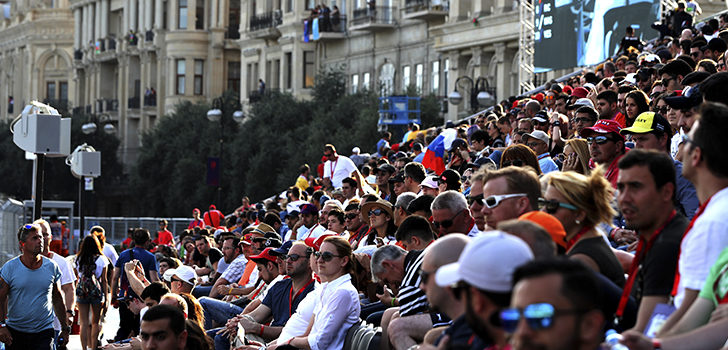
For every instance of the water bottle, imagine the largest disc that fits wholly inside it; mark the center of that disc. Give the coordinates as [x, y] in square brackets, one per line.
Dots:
[612, 339]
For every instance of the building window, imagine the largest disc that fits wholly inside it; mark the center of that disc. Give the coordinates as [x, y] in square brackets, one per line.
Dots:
[435, 77]
[200, 15]
[63, 90]
[182, 14]
[234, 76]
[199, 72]
[365, 81]
[354, 83]
[405, 77]
[51, 90]
[308, 69]
[180, 81]
[289, 70]
[419, 73]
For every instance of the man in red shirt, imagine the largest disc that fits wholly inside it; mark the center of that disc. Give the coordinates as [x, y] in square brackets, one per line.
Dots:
[213, 217]
[164, 236]
[606, 146]
[196, 220]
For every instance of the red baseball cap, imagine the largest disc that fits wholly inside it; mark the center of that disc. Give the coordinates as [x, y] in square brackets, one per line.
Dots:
[603, 126]
[580, 92]
[316, 242]
[538, 97]
[264, 255]
[567, 90]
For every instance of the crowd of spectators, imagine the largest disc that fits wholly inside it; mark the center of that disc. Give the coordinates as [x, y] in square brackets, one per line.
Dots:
[595, 206]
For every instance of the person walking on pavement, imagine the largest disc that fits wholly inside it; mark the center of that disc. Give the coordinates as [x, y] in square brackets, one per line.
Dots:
[30, 287]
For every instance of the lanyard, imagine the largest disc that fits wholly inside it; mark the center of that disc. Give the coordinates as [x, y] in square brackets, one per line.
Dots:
[612, 168]
[642, 249]
[292, 297]
[333, 167]
[570, 243]
[687, 230]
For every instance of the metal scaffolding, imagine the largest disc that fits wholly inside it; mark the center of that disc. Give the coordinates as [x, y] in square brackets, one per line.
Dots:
[525, 46]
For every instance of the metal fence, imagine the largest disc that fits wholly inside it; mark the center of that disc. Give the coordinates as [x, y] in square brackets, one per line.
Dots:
[11, 217]
[117, 227]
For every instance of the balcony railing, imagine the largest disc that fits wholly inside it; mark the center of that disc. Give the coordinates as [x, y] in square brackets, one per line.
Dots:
[337, 24]
[107, 105]
[411, 6]
[133, 102]
[373, 15]
[149, 36]
[266, 20]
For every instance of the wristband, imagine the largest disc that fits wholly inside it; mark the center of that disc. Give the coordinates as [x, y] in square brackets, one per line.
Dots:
[262, 327]
[393, 300]
[656, 344]
[230, 292]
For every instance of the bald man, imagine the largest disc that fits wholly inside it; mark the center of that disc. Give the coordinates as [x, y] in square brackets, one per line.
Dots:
[441, 252]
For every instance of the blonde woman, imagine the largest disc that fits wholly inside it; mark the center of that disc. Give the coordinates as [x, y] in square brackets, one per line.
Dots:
[575, 156]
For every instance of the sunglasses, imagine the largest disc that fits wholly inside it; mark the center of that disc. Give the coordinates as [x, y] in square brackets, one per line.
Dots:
[327, 256]
[351, 216]
[294, 257]
[584, 120]
[376, 212]
[494, 201]
[515, 162]
[552, 205]
[538, 123]
[538, 316]
[446, 223]
[600, 140]
[695, 54]
[475, 199]
[662, 110]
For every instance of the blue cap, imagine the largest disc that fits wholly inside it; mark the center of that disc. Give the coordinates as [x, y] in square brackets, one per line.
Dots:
[283, 250]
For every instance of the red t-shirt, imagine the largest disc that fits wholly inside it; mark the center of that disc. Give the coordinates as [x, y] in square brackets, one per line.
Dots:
[164, 237]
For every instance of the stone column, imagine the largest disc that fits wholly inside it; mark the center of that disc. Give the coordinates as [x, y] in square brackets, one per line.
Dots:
[214, 21]
[84, 27]
[224, 10]
[172, 12]
[133, 15]
[125, 20]
[104, 18]
[158, 14]
[453, 73]
[97, 20]
[148, 15]
[501, 78]
[77, 25]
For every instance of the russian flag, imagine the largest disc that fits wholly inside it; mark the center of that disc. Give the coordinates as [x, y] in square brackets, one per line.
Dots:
[434, 156]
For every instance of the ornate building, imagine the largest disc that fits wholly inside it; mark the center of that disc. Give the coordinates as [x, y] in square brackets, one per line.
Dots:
[36, 56]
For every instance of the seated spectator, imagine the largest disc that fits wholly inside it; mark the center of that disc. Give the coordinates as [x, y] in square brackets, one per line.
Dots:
[450, 214]
[508, 193]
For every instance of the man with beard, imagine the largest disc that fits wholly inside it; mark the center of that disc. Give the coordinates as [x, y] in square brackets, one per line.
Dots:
[555, 306]
[646, 188]
[482, 277]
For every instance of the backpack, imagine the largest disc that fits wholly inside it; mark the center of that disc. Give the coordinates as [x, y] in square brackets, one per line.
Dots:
[88, 287]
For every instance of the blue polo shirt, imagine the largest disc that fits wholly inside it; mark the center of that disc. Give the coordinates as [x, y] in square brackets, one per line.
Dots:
[279, 300]
[148, 260]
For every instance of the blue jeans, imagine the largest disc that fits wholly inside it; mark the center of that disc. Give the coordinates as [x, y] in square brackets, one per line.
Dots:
[221, 341]
[218, 311]
[42, 340]
[201, 291]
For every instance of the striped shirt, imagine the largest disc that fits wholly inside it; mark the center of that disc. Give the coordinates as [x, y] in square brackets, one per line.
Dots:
[412, 300]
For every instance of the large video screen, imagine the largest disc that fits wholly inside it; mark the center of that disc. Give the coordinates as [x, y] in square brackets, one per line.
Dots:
[571, 33]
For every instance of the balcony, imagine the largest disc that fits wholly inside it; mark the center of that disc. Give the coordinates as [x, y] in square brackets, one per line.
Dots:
[263, 26]
[333, 28]
[233, 32]
[373, 18]
[425, 9]
[107, 105]
[133, 102]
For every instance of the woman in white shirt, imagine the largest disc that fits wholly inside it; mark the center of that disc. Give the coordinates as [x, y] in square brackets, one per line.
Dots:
[337, 306]
[92, 291]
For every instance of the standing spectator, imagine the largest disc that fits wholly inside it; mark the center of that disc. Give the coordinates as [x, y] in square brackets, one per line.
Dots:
[336, 168]
[164, 236]
[57, 232]
[383, 144]
[261, 86]
[92, 290]
[196, 220]
[120, 287]
[302, 180]
[27, 284]
[213, 217]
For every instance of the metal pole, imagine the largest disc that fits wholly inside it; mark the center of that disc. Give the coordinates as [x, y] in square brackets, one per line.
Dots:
[38, 192]
[80, 208]
[219, 184]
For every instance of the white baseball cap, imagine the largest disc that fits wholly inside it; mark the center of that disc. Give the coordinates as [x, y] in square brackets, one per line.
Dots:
[184, 273]
[487, 262]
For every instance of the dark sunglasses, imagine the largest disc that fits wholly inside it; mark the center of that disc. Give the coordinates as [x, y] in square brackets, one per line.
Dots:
[293, 257]
[376, 212]
[551, 205]
[695, 54]
[327, 256]
[600, 140]
[538, 123]
[538, 316]
[475, 199]
[446, 223]
[350, 216]
[515, 162]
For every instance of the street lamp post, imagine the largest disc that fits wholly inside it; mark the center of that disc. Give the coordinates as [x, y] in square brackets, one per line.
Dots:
[88, 129]
[215, 115]
[479, 92]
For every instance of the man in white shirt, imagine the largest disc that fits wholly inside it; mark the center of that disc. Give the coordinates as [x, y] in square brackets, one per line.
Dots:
[336, 168]
[705, 165]
[310, 226]
[67, 275]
